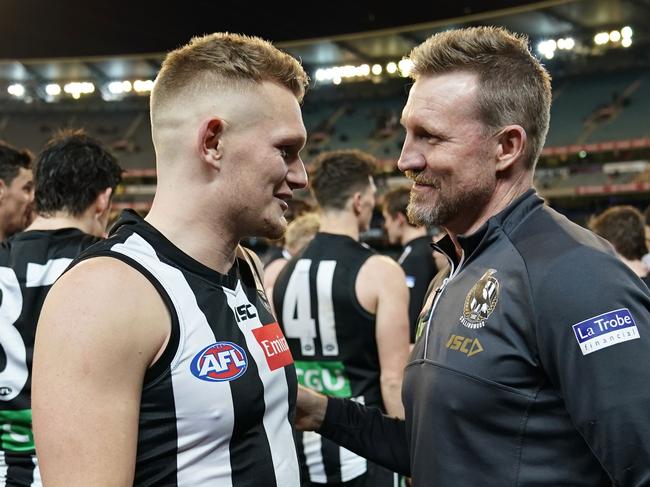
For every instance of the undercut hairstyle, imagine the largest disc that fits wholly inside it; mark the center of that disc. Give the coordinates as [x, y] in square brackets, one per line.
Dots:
[336, 175]
[223, 57]
[12, 160]
[71, 171]
[396, 200]
[623, 227]
[514, 87]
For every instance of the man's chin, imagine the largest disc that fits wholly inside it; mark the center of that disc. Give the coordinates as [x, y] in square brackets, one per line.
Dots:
[275, 230]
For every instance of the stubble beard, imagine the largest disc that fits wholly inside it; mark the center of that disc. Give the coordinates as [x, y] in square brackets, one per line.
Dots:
[449, 207]
[274, 230]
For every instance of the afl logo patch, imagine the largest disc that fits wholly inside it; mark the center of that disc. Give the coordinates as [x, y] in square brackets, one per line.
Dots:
[219, 362]
[481, 301]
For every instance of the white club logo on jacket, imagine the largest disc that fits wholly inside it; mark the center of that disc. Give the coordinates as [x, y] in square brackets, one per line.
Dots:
[481, 301]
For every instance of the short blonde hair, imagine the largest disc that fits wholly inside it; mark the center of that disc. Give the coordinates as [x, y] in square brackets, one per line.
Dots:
[226, 57]
[514, 88]
[300, 231]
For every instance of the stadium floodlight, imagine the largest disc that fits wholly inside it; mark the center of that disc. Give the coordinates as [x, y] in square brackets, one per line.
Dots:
[53, 89]
[115, 87]
[391, 67]
[566, 44]
[16, 90]
[614, 36]
[76, 88]
[119, 87]
[405, 65]
[342, 72]
[601, 38]
[377, 69]
[626, 32]
[626, 42]
[143, 86]
[547, 48]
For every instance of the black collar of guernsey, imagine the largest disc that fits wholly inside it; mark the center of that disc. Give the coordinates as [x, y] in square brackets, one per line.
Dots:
[167, 251]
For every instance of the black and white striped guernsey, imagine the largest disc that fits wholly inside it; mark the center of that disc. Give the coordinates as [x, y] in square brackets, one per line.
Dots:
[30, 262]
[217, 407]
[332, 338]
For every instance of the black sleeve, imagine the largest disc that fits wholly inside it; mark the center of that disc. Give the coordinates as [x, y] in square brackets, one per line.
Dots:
[367, 432]
[593, 334]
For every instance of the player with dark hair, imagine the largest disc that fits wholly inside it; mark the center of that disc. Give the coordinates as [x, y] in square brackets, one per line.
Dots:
[75, 178]
[16, 190]
[624, 227]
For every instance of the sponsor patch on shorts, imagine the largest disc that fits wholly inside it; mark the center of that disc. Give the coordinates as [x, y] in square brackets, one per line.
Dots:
[605, 330]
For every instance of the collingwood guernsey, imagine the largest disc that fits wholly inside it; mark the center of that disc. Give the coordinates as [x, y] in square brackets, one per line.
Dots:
[30, 262]
[332, 338]
[217, 407]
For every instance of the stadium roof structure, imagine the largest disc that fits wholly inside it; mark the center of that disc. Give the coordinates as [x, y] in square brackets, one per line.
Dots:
[59, 43]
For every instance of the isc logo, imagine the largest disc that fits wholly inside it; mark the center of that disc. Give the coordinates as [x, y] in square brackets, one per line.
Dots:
[221, 361]
[468, 346]
[245, 312]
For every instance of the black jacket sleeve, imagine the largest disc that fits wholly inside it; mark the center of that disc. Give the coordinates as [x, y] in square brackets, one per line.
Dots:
[585, 304]
[367, 432]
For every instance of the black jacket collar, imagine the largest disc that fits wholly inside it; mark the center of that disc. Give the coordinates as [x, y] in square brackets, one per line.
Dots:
[505, 221]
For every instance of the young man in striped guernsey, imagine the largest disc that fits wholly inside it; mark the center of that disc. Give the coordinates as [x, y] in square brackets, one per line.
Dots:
[75, 178]
[344, 311]
[158, 361]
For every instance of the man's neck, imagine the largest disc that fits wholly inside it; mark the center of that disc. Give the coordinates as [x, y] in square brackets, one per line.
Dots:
[502, 197]
[637, 266]
[410, 233]
[212, 245]
[339, 223]
[61, 220]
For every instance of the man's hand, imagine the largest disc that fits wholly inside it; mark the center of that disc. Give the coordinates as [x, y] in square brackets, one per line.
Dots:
[310, 409]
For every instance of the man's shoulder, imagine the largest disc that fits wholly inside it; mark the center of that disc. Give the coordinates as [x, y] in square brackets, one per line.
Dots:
[572, 273]
[43, 245]
[548, 241]
[339, 247]
[382, 269]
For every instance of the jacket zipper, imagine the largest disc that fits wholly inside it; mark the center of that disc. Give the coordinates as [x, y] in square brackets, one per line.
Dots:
[438, 294]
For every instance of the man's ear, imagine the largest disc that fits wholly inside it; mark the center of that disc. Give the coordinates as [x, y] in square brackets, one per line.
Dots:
[103, 202]
[356, 203]
[401, 218]
[3, 189]
[511, 147]
[210, 143]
